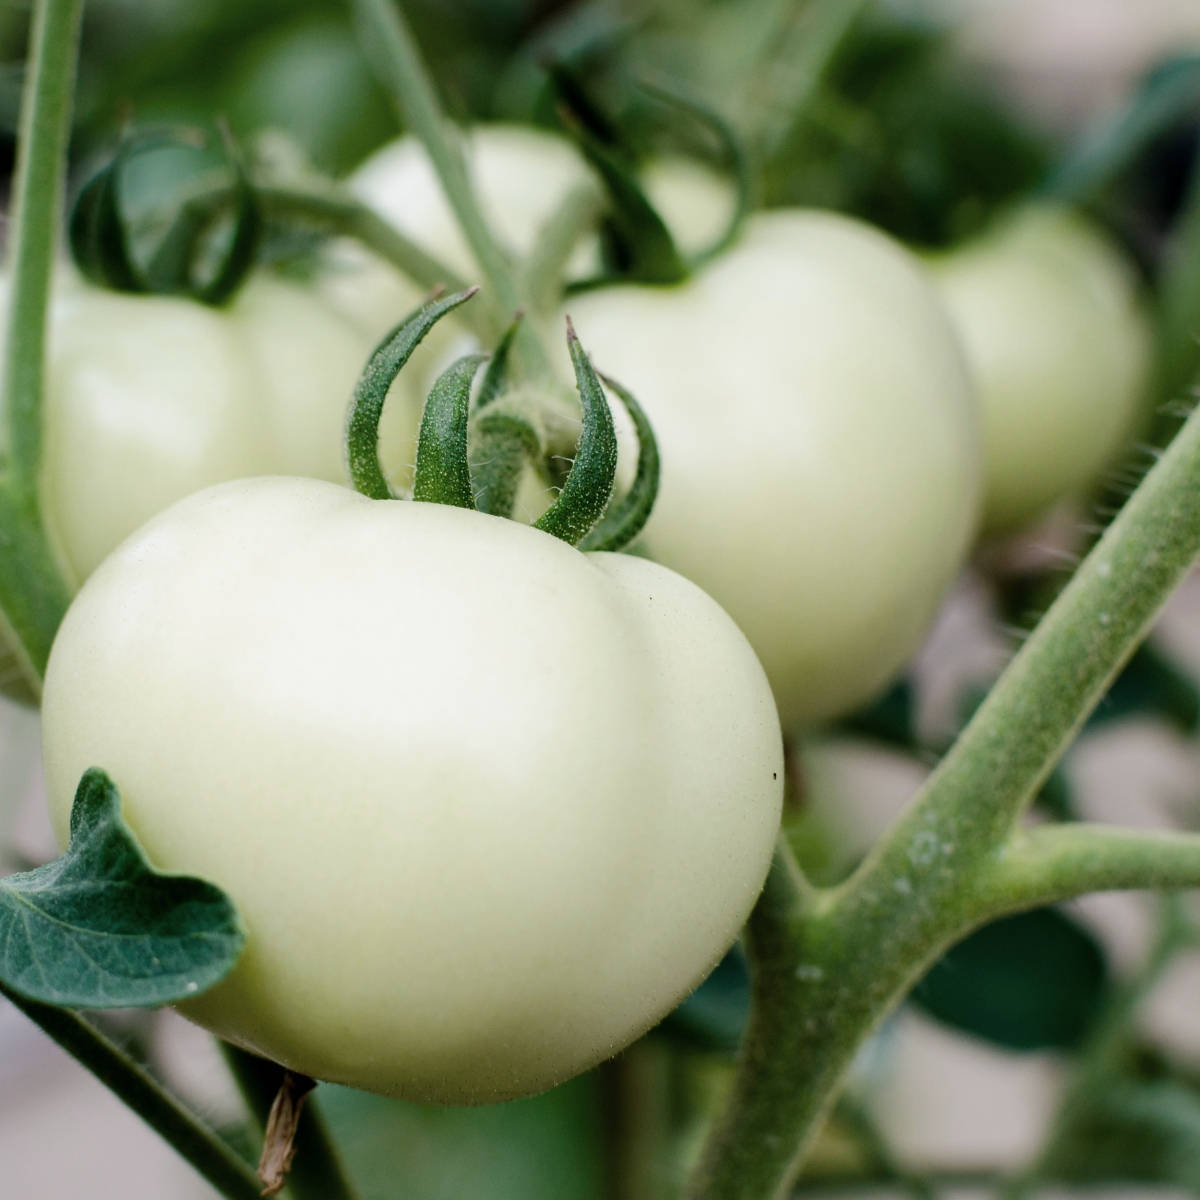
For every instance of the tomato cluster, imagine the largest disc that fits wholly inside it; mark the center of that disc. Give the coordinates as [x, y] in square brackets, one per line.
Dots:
[490, 806]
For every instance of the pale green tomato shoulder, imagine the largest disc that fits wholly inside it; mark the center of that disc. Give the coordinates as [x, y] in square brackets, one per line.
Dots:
[1048, 310]
[820, 445]
[150, 398]
[489, 807]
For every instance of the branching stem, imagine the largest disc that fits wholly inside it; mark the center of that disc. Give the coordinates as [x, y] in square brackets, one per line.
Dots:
[828, 966]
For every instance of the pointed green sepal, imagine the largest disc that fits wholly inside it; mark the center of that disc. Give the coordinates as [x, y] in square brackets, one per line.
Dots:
[103, 247]
[495, 378]
[99, 927]
[443, 473]
[502, 445]
[639, 243]
[737, 160]
[589, 485]
[96, 234]
[625, 518]
[366, 405]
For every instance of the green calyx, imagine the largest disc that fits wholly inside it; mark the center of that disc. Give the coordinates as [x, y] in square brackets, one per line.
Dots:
[473, 455]
[207, 247]
[638, 245]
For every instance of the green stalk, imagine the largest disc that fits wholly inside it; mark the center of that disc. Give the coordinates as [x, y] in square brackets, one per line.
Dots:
[317, 1172]
[390, 41]
[828, 966]
[347, 217]
[542, 277]
[33, 593]
[37, 208]
[203, 1149]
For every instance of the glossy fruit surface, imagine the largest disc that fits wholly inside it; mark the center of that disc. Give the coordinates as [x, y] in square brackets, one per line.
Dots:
[819, 440]
[488, 806]
[1047, 307]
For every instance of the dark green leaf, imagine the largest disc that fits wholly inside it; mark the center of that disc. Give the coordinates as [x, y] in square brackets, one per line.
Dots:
[1133, 1132]
[1028, 982]
[100, 928]
[714, 1016]
[890, 719]
[1151, 684]
[1169, 95]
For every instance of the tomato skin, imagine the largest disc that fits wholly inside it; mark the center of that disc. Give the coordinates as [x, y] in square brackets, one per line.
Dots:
[150, 398]
[489, 807]
[820, 446]
[1048, 310]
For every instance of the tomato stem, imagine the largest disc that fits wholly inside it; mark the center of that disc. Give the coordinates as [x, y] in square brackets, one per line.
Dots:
[33, 592]
[328, 212]
[211, 1157]
[829, 965]
[317, 1172]
[390, 43]
[34, 220]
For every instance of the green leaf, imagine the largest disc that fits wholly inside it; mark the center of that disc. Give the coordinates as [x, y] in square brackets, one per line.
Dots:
[1169, 96]
[1133, 1132]
[99, 927]
[890, 719]
[1033, 981]
[1151, 684]
[714, 1016]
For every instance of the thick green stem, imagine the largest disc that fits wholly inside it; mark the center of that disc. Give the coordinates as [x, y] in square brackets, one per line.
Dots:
[202, 1148]
[1057, 862]
[316, 1172]
[37, 207]
[389, 39]
[828, 967]
[348, 217]
[545, 269]
[33, 593]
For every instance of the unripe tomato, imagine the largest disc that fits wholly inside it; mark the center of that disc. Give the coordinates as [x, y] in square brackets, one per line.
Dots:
[1047, 309]
[150, 398]
[489, 807]
[819, 440]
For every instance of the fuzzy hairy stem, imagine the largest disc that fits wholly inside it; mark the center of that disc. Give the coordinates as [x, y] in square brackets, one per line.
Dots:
[828, 966]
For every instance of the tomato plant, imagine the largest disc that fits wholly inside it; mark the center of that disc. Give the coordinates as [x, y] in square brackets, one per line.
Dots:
[475, 805]
[1049, 314]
